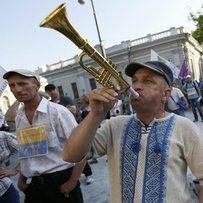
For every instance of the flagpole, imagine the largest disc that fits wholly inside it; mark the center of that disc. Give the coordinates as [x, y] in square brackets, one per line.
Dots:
[185, 50]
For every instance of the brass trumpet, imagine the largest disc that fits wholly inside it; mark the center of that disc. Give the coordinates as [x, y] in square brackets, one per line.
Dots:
[58, 20]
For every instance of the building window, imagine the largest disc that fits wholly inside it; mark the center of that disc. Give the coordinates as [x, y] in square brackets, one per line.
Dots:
[75, 90]
[92, 83]
[60, 89]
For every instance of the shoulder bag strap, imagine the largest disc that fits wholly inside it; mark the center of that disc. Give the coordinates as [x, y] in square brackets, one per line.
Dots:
[173, 99]
[194, 83]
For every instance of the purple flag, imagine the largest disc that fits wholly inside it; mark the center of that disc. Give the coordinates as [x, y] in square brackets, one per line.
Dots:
[183, 71]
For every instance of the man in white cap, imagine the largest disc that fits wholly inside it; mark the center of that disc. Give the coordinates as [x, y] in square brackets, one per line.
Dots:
[191, 89]
[148, 153]
[42, 129]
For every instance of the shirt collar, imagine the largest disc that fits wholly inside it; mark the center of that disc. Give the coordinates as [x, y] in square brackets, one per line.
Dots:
[42, 107]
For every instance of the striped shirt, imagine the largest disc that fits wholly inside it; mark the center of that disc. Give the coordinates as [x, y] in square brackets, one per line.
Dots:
[8, 146]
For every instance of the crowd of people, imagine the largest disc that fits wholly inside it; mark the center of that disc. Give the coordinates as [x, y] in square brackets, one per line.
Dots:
[148, 141]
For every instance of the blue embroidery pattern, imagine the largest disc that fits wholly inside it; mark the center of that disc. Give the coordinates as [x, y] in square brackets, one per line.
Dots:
[155, 166]
[129, 161]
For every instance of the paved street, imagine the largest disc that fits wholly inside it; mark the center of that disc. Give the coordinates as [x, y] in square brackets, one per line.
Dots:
[98, 192]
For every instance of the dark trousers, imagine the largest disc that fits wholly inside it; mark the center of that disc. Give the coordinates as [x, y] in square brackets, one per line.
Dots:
[196, 105]
[45, 189]
[87, 169]
[10, 196]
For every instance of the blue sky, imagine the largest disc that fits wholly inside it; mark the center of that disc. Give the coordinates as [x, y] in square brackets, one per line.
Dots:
[25, 45]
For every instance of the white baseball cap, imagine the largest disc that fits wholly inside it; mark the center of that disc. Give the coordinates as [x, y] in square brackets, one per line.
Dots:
[24, 72]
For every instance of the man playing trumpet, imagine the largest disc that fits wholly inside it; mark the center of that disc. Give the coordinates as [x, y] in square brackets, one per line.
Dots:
[148, 152]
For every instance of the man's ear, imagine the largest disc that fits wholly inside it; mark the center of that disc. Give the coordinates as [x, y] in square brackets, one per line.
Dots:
[38, 84]
[166, 94]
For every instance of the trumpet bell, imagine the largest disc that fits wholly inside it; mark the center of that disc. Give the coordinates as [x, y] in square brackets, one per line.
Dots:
[58, 20]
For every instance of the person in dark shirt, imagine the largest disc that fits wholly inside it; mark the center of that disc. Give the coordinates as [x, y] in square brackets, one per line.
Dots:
[66, 101]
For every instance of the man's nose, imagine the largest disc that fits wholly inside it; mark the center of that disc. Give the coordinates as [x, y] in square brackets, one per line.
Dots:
[18, 88]
[138, 89]
[138, 86]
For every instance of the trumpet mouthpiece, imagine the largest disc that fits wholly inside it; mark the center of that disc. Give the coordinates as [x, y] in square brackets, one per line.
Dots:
[133, 92]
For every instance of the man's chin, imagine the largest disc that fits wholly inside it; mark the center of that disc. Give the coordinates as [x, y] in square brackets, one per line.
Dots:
[22, 99]
[138, 107]
[135, 102]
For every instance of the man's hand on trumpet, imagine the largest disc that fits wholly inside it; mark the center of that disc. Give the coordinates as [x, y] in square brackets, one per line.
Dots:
[102, 100]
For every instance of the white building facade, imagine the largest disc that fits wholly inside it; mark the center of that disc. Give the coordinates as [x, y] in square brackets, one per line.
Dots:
[175, 45]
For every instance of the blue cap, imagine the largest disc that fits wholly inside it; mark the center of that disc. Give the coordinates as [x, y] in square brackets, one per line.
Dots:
[156, 66]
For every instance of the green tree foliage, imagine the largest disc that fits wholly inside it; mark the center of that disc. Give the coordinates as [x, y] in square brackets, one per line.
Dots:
[198, 20]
